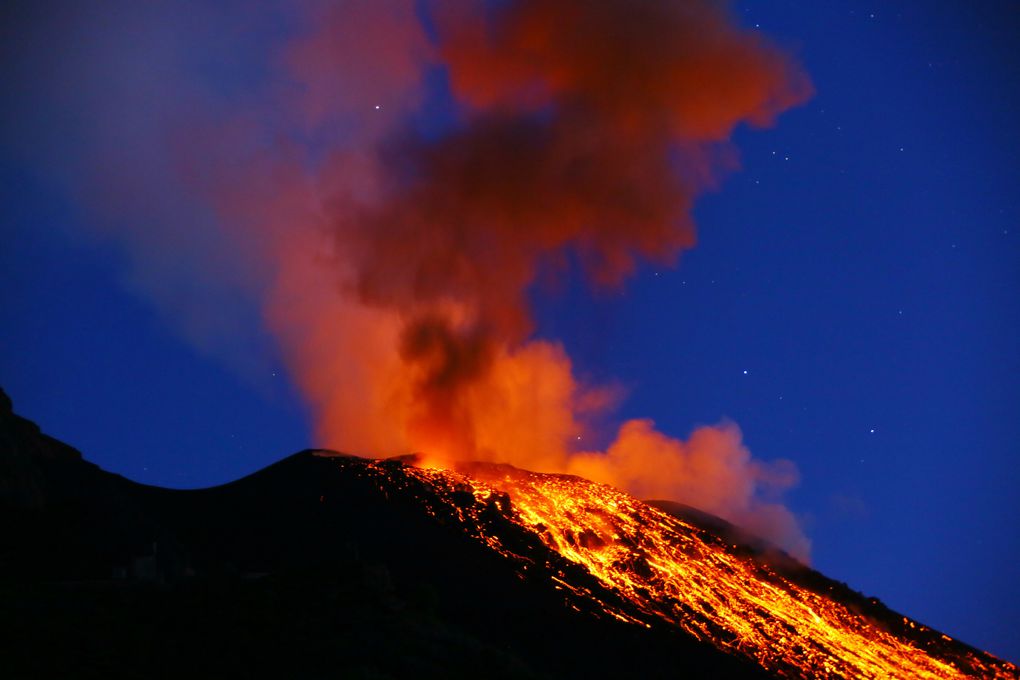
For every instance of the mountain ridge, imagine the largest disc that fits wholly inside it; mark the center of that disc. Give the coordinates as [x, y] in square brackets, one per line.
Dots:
[438, 567]
[124, 575]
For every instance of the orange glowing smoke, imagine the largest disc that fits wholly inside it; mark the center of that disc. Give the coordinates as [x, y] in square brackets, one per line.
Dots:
[392, 260]
[586, 129]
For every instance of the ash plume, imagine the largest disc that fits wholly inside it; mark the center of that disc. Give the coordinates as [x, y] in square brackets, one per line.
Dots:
[391, 253]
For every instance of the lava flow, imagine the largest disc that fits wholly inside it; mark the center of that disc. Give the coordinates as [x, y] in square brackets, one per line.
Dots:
[654, 568]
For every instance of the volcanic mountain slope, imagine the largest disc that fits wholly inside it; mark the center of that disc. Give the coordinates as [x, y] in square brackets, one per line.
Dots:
[333, 566]
[304, 569]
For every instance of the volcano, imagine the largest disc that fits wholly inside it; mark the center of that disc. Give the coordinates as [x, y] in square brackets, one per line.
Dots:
[326, 565]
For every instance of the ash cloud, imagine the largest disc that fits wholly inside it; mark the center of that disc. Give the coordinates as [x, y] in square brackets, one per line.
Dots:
[280, 159]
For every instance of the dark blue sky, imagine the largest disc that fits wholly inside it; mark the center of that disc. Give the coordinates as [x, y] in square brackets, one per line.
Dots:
[852, 304]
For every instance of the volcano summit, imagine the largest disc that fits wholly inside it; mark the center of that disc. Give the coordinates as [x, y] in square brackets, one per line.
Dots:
[337, 566]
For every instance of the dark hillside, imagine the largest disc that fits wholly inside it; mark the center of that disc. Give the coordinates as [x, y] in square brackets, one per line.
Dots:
[303, 569]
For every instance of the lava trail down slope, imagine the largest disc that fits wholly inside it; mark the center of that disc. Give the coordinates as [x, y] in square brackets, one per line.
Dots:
[661, 568]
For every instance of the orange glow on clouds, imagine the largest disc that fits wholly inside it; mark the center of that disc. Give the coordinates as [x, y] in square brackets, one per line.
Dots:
[393, 267]
[401, 265]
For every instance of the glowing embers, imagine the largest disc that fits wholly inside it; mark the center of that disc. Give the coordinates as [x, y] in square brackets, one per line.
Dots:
[663, 568]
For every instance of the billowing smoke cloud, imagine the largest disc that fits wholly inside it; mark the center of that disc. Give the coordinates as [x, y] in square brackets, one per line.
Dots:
[712, 471]
[392, 251]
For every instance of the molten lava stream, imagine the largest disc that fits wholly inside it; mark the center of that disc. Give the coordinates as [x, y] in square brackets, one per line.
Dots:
[670, 570]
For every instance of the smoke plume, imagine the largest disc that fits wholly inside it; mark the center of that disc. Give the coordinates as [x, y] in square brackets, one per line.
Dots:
[387, 181]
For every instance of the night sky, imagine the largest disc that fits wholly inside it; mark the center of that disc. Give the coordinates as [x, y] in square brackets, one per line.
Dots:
[851, 303]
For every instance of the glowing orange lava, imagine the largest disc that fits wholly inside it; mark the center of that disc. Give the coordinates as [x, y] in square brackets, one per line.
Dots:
[669, 570]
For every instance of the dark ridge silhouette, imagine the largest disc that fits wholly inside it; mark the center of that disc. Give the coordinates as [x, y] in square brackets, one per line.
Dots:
[326, 565]
[303, 569]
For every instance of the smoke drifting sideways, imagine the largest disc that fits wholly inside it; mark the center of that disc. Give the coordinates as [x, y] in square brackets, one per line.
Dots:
[385, 182]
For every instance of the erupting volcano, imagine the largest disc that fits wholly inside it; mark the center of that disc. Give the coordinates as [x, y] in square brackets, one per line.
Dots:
[391, 196]
[544, 565]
